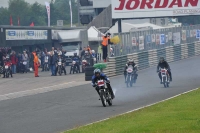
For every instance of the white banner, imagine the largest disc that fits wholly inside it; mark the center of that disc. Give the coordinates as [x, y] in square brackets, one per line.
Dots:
[141, 42]
[177, 38]
[134, 41]
[184, 35]
[153, 38]
[154, 8]
[157, 38]
[48, 12]
[26, 34]
[169, 36]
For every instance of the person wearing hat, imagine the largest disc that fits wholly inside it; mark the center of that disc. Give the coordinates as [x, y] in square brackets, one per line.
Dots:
[105, 42]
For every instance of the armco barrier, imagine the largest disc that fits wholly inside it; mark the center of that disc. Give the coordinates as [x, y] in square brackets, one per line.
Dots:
[150, 58]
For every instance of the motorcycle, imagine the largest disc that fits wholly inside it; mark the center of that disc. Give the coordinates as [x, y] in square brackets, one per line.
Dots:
[165, 77]
[105, 95]
[7, 70]
[74, 67]
[46, 64]
[131, 75]
[59, 68]
[84, 65]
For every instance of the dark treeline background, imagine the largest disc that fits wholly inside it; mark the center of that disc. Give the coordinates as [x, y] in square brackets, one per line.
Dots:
[37, 13]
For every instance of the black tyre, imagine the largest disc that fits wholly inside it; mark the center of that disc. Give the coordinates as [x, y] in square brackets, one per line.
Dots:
[89, 68]
[88, 78]
[103, 99]
[89, 73]
[167, 84]
[110, 100]
[59, 71]
[1, 70]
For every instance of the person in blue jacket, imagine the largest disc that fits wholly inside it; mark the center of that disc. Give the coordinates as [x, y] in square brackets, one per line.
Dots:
[100, 76]
[77, 59]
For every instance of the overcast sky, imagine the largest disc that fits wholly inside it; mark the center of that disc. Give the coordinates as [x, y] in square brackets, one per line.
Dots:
[4, 3]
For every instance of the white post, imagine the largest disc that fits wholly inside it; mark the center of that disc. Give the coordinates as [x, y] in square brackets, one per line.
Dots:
[70, 5]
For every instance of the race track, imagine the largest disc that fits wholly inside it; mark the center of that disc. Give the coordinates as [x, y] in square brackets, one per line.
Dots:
[60, 110]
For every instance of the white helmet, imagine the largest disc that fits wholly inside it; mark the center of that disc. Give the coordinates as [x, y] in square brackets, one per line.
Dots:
[93, 51]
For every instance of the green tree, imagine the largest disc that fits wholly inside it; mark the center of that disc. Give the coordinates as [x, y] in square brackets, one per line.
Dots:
[4, 16]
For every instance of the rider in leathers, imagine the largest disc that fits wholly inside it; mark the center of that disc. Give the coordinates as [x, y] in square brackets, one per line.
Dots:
[77, 59]
[97, 76]
[163, 64]
[130, 62]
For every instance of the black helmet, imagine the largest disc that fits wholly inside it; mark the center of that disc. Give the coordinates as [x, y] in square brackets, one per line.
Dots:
[162, 59]
[75, 54]
[130, 61]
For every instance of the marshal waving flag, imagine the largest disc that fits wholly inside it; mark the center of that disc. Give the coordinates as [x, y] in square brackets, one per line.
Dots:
[48, 12]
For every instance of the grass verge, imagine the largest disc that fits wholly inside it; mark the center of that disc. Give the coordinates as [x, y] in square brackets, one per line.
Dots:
[177, 115]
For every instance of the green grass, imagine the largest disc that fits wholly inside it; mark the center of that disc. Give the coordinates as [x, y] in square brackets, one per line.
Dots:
[178, 115]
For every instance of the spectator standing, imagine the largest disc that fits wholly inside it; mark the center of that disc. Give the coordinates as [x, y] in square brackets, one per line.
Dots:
[36, 64]
[25, 60]
[14, 62]
[52, 63]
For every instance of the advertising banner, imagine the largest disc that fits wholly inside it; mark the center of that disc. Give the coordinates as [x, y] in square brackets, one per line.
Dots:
[184, 35]
[148, 38]
[177, 38]
[26, 34]
[134, 41]
[157, 38]
[153, 38]
[141, 43]
[154, 8]
[162, 39]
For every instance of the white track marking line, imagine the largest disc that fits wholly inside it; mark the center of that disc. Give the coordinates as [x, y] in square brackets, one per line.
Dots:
[31, 92]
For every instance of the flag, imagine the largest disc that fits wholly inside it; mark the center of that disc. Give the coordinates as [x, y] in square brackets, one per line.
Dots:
[11, 22]
[48, 12]
[70, 5]
[18, 21]
[32, 24]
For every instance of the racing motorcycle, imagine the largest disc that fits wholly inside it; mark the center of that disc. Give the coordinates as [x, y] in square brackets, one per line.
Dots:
[84, 65]
[74, 67]
[46, 63]
[131, 75]
[165, 77]
[105, 95]
[59, 68]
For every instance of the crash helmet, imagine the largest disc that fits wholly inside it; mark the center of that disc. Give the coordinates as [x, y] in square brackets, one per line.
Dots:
[75, 54]
[97, 72]
[93, 51]
[130, 62]
[162, 59]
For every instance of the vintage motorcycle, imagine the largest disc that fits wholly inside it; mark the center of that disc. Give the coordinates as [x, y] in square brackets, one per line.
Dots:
[73, 67]
[165, 77]
[105, 95]
[131, 75]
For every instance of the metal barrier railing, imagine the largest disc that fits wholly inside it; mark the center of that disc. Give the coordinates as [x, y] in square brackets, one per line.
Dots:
[138, 41]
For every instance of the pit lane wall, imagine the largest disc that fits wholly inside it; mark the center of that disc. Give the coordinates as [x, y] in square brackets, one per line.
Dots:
[150, 58]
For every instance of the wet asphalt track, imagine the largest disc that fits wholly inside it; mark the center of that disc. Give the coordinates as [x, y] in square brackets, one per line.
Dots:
[64, 109]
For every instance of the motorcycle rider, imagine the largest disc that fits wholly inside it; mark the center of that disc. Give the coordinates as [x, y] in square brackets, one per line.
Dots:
[130, 62]
[77, 59]
[163, 64]
[97, 76]
[60, 59]
[8, 63]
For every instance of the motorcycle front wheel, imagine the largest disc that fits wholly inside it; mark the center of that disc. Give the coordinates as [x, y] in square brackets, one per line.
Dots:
[103, 99]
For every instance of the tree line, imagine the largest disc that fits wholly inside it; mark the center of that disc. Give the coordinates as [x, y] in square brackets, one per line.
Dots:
[28, 13]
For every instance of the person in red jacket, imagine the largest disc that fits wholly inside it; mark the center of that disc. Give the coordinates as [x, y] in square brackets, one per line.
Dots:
[7, 63]
[14, 61]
